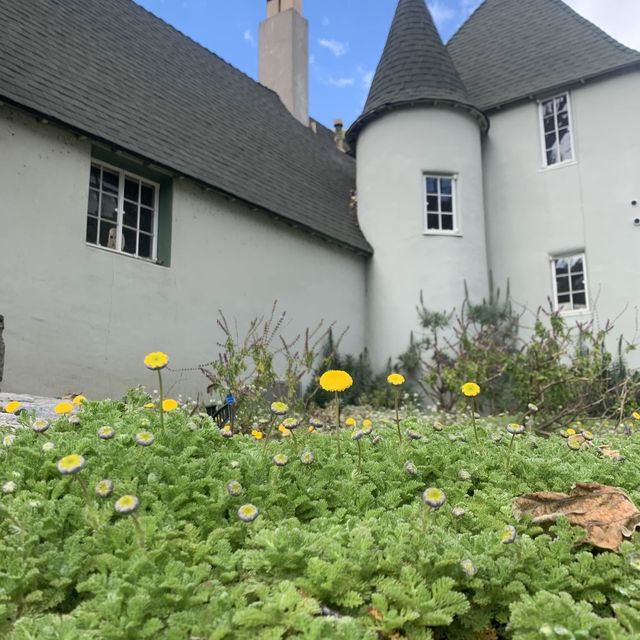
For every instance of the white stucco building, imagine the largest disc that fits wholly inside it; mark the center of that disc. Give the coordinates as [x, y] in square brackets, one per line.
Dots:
[145, 184]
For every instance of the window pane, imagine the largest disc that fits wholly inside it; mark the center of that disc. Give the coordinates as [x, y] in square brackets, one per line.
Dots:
[563, 119]
[108, 235]
[446, 204]
[565, 145]
[92, 230]
[146, 219]
[432, 185]
[561, 103]
[579, 300]
[129, 241]
[547, 108]
[562, 266]
[552, 156]
[144, 250]
[432, 203]
[433, 221]
[110, 181]
[131, 189]
[576, 265]
[550, 141]
[446, 186]
[549, 124]
[148, 196]
[109, 207]
[563, 285]
[94, 180]
[94, 197]
[564, 299]
[447, 223]
[577, 283]
[130, 218]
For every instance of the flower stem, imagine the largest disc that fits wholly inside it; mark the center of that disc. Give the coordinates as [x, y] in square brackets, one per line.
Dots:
[338, 424]
[473, 419]
[398, 414]
[161, 389]
[359, 455]
[513, 437]
[83, 486]
[136, 522]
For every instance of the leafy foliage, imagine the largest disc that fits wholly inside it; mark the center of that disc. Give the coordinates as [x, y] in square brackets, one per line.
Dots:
[335, 552]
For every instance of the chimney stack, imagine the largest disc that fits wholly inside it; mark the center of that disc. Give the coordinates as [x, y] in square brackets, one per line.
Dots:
[284, 55]
[339, 135]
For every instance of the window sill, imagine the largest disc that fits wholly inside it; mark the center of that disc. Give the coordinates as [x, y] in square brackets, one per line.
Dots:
[452, 234]
[570, 313]
[123, 254]
[558, 165]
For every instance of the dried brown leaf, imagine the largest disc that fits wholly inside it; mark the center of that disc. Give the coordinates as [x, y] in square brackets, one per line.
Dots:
[606, 513]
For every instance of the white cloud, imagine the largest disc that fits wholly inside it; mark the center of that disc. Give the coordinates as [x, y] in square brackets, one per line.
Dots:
[248, 37]
[366, 77]
[337, 48]
[440, 12]
[619, 18]
[340, 83]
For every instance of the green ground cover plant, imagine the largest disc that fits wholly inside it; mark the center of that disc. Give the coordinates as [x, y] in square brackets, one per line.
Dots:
[337, 550]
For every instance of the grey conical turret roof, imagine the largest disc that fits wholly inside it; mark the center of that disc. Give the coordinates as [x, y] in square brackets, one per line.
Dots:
[415, 67]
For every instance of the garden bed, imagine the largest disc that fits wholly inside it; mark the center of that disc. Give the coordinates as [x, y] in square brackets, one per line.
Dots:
[337, 551]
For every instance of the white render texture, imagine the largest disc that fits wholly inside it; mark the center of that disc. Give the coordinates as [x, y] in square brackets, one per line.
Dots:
[534, 213]
[80, 319]
[393, 154]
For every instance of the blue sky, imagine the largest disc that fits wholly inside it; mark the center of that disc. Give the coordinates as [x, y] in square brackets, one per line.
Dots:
[346, 38]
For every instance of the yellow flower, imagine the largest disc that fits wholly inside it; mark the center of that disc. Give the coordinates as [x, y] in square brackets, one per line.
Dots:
[335, 380]
[395, 379]
[71, 464]
[12, 407]
[156, 360]
[149, 405]
[470, 389]
[258, 435]
[279, 408]
[312, 429]
[570, 432]
[367, 423]
[169, 404]
[350, 422]
[636, 415]
[284, 431]
[78, 400]
[63, 407]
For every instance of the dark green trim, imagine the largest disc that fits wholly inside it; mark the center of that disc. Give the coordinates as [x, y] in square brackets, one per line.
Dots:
[165, 198]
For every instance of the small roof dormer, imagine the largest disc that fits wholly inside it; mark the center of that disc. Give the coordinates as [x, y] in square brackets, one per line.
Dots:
[415, 68]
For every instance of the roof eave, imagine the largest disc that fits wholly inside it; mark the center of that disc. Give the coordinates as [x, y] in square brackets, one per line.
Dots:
[373, 114]
[538, 93]
[364, 250]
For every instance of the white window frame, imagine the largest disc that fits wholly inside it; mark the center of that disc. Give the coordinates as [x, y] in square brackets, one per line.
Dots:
[563, 308]
[455, 212]
[122, 174]
[543, 145]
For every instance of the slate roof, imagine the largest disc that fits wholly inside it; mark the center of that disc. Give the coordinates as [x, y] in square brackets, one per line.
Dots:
[119, 74]
[415, 67]
[512, 49]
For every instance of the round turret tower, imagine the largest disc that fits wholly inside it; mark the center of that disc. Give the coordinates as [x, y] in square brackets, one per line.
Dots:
[419, 181]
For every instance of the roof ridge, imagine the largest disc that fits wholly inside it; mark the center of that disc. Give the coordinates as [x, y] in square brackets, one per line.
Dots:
[208, 51]
[466, 21]
[594, 27]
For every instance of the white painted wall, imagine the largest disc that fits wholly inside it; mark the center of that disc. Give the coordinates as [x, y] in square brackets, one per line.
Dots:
[80, 319]
[534, 213]
[393, 153]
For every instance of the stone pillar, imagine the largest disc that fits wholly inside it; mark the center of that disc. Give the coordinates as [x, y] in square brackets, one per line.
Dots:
[1, 349]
